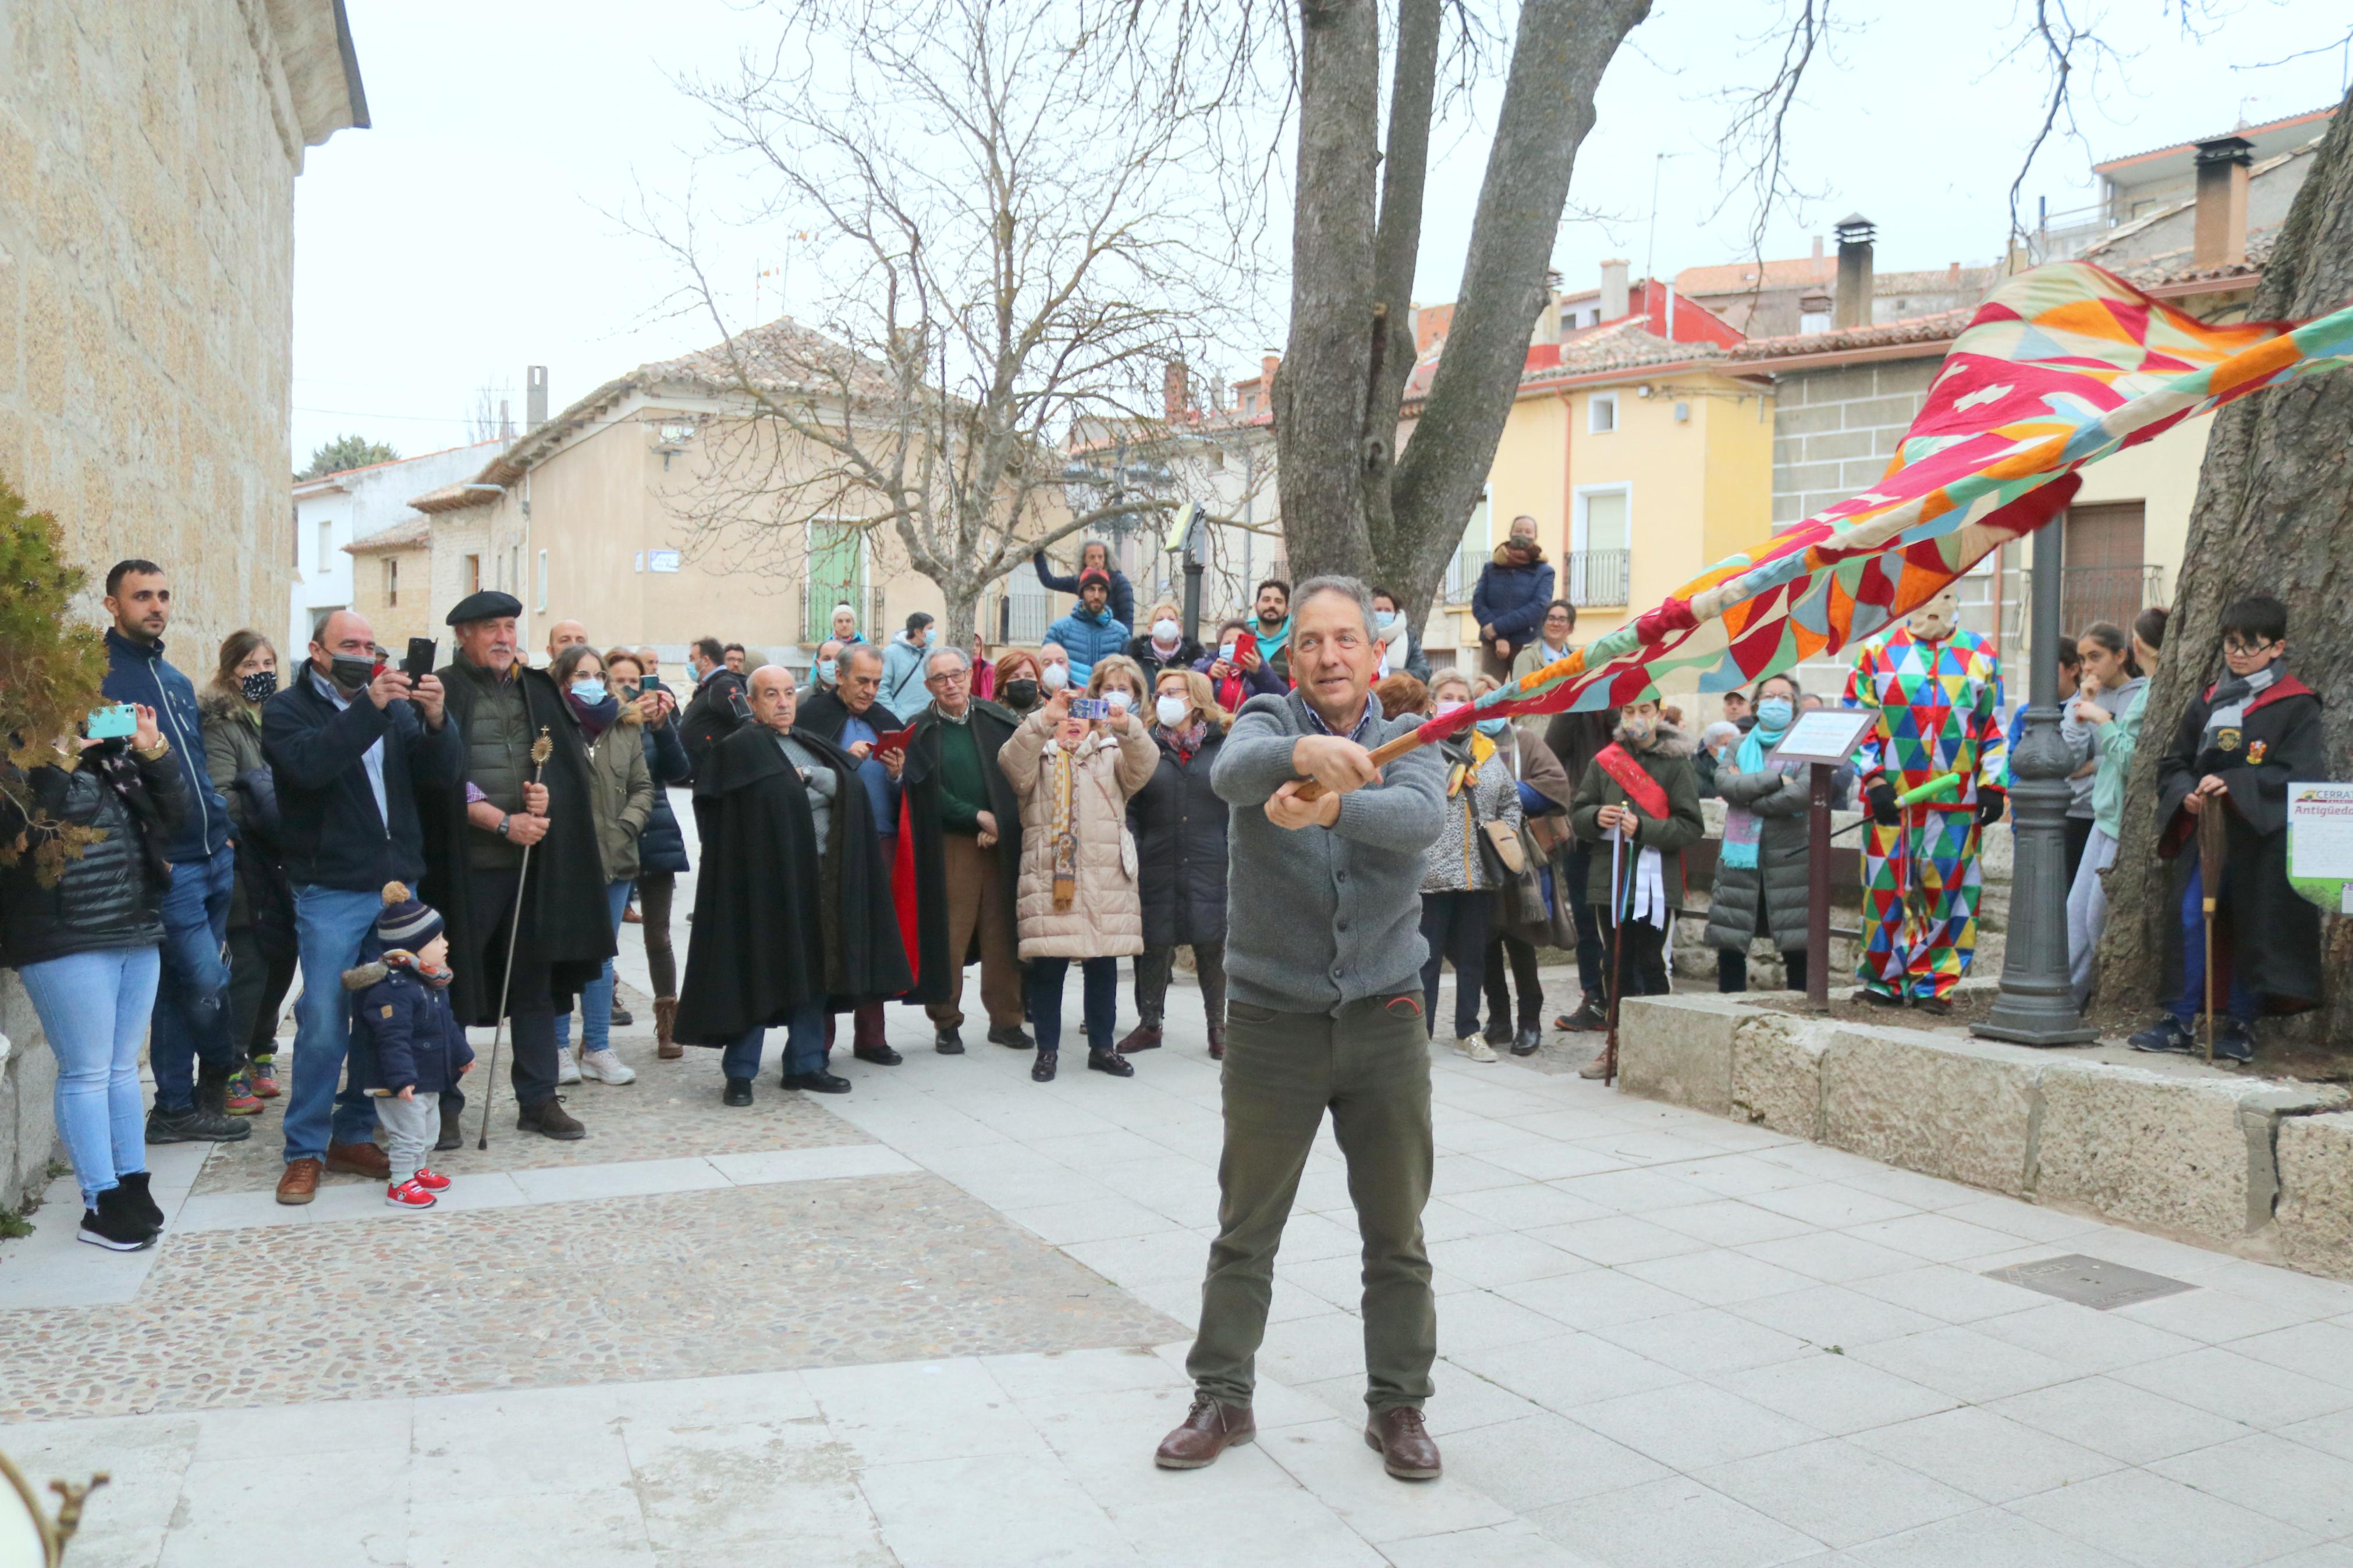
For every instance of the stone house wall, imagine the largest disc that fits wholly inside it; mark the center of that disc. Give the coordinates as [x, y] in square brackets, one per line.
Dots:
[1835, 430]
[147, 163]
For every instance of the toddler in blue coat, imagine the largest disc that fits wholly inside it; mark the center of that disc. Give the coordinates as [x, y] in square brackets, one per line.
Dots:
[408, 1047]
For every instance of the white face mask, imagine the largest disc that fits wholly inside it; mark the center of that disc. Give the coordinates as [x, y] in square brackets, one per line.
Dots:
[1172, 708]
[1119, 699]
[1163, 630]
[1443, 709]
[1055, 677]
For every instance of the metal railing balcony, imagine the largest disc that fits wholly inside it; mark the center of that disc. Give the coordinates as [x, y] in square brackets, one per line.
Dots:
[1597, 577]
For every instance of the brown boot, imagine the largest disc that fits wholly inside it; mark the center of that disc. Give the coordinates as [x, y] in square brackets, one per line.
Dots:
[1217, 1042]
[298, 1183]
[550, 1119]
[666, 1019]
[358, 1160]
[1408, 1451]
[1209, 1429]
[1143, 1038]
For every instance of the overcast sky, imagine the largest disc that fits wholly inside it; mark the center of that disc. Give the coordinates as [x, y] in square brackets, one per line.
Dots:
[476, 227]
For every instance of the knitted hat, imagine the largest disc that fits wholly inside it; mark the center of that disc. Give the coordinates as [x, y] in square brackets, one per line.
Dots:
[405, 923]
[1094, 575]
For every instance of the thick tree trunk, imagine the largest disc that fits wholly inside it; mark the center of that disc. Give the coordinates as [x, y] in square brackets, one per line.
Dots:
[2273, 515]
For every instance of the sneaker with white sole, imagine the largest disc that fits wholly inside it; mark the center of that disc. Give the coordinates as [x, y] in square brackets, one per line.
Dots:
[607, 1068]
[408, 1194]
[567, 1066]
[1475, 1048]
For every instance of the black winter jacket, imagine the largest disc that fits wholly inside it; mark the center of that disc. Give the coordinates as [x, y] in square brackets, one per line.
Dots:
[409, 1036]
[112, 895]
[332, 832]
[662, 846]
[1180, 848]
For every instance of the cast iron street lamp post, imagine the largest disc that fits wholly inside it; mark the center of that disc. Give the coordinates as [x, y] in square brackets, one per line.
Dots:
[2037, 1003]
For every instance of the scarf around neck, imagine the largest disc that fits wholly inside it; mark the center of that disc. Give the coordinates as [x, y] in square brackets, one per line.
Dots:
[1269, 642]
[1743, 828]
[1186, 739]
[2232, 699]
[594, 718]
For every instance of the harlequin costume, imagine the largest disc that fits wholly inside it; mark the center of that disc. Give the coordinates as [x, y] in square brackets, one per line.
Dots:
[1939, 705]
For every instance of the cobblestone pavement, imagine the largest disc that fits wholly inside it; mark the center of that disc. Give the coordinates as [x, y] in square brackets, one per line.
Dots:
[940, 1321]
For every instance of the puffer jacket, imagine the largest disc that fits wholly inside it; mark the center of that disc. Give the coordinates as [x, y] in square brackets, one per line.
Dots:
[261, 900]
[1668, 761]
[1180, 847]
[1779, 794]
[620, 790]
[1086, 638]
[403, 1033]
[662, 845]
[113, 896]
[1479, 788]
[1106, 915]
[1511, 597]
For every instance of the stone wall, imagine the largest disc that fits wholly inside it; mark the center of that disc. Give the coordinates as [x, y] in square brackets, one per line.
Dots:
[1835, 430]
[147, 163]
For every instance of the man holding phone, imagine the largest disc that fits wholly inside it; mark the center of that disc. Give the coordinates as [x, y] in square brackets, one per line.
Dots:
[190, 1049]
[352, 746]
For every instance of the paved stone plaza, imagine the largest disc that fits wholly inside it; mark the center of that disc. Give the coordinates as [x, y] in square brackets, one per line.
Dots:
[942, 1319]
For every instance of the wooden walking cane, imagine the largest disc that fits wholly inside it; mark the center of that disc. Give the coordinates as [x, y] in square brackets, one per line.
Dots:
[541, 749]
[2213, 844]
[1617, 961]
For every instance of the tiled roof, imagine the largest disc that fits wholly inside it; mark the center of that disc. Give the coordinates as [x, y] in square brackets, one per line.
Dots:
[1933, 328]
[401, 535]
[1623, 345]
[2171, 268]
[1740, 277]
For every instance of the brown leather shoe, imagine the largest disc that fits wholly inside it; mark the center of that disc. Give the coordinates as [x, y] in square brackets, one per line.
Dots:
[358, 1160]
[666, 1020]
[1217, 1044]
[298, 1183]
[1143, 1038]
[550, 1119]
[1408, 1451]
[1209, 1429]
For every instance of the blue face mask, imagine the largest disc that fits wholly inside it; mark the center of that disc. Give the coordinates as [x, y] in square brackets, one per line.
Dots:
[825, 668]
[587, 690]
[1774, 714]
[1493, 726]
[1388, 618]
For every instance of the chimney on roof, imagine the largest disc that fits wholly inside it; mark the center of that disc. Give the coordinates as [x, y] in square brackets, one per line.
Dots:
[1173, 396]
[1953, 275]
[2220, 236]
[1819, 267]
[1613, 290]
[535, 396]
[1850, 301]
[1547, 329]
[506, 425]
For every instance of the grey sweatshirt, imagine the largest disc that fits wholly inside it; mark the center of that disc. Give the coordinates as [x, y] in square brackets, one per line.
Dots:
[1324, 916]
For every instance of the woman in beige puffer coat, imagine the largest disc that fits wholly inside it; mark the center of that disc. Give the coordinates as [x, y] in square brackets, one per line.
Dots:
[1077, 896]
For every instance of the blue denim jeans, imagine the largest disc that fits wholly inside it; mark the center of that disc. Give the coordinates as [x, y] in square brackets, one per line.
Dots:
[1099, 987]
[597, 996]
[2241, 1003]
[334, 929]
[804, 1046]
[191, 1016]
[94, 1007]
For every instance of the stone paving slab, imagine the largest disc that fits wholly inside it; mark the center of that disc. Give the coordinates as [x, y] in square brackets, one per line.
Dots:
[674, 1285]
[673, 1109]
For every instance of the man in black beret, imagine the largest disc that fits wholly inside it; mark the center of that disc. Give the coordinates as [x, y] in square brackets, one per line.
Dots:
[476, 833]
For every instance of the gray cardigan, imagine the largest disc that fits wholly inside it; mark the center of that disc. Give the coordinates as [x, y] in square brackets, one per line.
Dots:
[1324, 916]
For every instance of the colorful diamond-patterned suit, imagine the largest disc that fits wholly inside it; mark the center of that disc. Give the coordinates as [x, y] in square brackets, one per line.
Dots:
[1940, 706]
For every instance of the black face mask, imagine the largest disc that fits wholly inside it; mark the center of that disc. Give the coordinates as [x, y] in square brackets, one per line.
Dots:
[1021, 693]
[259, 686]
[351, 672]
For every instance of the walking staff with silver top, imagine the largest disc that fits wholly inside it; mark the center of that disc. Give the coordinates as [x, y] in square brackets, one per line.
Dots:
[1324, 955]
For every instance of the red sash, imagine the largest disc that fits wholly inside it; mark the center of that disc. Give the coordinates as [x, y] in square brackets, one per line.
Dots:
[1640, 788]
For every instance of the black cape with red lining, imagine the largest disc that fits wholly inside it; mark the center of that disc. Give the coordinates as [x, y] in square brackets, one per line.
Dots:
[2265, 932]
[920, 884]
[776, 925]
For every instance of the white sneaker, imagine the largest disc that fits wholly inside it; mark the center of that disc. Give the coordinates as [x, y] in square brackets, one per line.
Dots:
[1599, 1068]
[567, 1066]
[1477, 1049]
[605, 1067]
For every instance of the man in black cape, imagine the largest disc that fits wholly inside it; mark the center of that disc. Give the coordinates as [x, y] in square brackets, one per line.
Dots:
[964, 849]
[849, 713]
[2236, 751]
[793, 905]
[475, 834]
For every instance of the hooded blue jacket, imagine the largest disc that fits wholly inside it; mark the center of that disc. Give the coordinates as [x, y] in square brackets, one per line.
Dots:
[135, 672]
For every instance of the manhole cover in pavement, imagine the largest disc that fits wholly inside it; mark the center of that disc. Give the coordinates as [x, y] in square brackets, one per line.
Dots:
[2091, 1281]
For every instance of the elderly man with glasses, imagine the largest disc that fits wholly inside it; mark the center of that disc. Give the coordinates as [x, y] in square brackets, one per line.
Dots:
[963, 842]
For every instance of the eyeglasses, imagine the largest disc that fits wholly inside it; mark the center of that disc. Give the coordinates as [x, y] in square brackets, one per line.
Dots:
[2240, 646]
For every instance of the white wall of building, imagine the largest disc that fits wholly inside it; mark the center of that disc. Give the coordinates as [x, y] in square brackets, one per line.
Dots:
[332, 511]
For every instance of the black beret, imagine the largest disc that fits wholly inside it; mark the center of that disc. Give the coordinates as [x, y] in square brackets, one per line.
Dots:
[490, 605]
